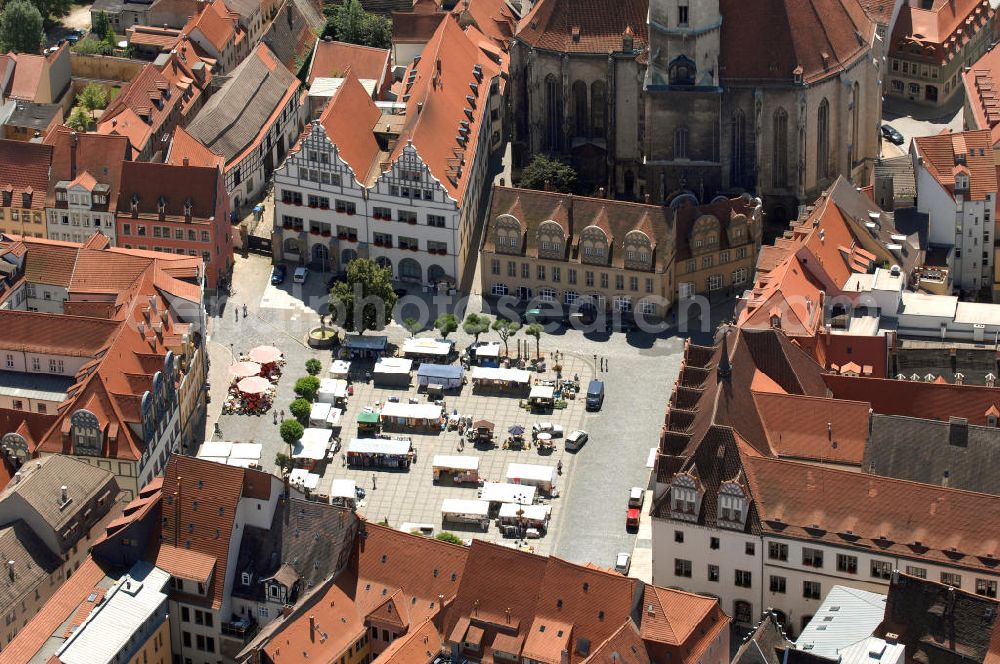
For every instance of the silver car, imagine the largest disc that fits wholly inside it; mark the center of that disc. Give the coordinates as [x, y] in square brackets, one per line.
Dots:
[623, 563]
[576, 439]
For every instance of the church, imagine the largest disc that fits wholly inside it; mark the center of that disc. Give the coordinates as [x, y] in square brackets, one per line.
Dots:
[689, 100]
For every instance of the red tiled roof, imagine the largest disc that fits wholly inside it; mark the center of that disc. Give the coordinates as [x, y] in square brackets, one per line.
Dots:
[28, 70]
[916, 398]
[58, 609]
[840, 349]
[897, 517]
[333, 624]
[421, 644]
[941, 153]
[32, 332]
[142, 107]
[813, 428]
[24, 170]
[820, 38]
[175, 183]
[186, 150]
[940, 31]
[583, 26]
[982, 92]
[219, 25]
[334, 59]
[184, 563]
[348, 120]
[879, 11]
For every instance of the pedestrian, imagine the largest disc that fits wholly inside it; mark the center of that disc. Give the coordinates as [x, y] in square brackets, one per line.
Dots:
[244, 310]
[282, 413]
[275, 413]
[373, 481]
[237, 313]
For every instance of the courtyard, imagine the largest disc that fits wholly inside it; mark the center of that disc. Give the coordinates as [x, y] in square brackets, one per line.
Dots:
[587, 521]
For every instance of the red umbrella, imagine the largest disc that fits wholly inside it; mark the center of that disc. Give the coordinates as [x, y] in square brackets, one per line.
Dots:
[265, 354]
[244, 369]
[253, 385]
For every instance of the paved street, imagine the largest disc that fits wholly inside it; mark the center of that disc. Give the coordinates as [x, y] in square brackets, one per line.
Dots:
[588, 518]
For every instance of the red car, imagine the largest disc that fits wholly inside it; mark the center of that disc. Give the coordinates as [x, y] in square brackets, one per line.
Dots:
[632, 518]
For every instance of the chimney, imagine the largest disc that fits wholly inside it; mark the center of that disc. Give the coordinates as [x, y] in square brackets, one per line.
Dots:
[312, 628]
[17, 477]
[507, 613]
[72, 155]
[187, 162]
[64, 494]
[10, 569]
[891, 638]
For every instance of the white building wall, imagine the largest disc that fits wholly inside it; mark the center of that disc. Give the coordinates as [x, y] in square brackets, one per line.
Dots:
[934, 201]
[78, 224]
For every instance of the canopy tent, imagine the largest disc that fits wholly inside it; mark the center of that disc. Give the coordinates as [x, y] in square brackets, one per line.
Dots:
[516, 430]
[246, 451]
[455, 462]
[214, 448]
[318, 413]
[392, 446]
[542, 392]
[449, 376]
[335, 418]
[392, 371]
[339, 369]
[265, 354]
[246, 455]
[368, 417]
[483, 424]
[501, 492]
[421, 415]
[244, 369]
[458, 509]
[432, 348]
[358, 345]
[485, 353]
[343, 491]
[301, 477]
[501, 377]
[543, 477]
[253, 385]
[313, 445]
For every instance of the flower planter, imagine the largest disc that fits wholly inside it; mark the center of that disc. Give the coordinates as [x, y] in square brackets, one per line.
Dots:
[313, 232]
[350, 213]
[352, 239]
[341, 236]
[378, 244]
[325, 234]
[287, 227]
[414, 249]
[412, 222]
[313, 205]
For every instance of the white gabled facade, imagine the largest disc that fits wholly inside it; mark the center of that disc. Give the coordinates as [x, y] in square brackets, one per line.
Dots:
[79, 213]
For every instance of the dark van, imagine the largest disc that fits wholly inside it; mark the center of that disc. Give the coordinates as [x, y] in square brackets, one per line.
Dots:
[595, 394]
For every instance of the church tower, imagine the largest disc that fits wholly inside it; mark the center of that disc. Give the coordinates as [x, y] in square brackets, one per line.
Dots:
[683, 100]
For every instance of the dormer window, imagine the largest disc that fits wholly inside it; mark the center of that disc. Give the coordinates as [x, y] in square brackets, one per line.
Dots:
[134, 203]
[161, 205]
[188, 207]
[685, 497]
[961, 182]
[733, 506]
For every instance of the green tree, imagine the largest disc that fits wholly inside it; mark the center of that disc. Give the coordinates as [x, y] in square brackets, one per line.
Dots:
[20, 27]
[283, 462]
[307, 387]
[559, 175]
[101, 24]
[291, 432]
[475, 324]
[413, 326]
[349, 22]
[52, 10]
[535, 330]
[92, 98]
[80, 120]
[365, 299]
[451, 538]
[301, 408]
[313, 366]
[505, 329]
[446, 324]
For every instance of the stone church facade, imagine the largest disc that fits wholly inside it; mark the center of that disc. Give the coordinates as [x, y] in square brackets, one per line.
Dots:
[772, 101]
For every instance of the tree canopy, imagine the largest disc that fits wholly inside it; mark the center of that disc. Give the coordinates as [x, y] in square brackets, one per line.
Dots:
[307, 387]
[535, 330]
[475, 324]
[349, 22]
[505, 329]
[446, 324]
[20, 27]
[364, 301]
[560, 175]
[291, 432]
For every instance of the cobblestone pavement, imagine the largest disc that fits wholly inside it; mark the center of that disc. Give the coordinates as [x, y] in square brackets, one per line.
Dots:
[588, 518]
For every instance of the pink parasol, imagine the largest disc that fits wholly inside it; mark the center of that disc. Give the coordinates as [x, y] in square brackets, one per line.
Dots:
[244, 369]
[253, 385]
[265, 354]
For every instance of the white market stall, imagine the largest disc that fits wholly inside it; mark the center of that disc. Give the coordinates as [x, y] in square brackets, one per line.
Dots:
[542, 477]
[312, 448]
[428, 350]
[339, 370]
[458, 510]
[497, 493]
[398, 415]
[380, 453]
[244, 455]
[343, 493]
[448, 376]
[392, 372]
[500, 378]
[542, 396]
[485, 353]
[457, 468]
[532, 516]
[318, 413]
[332, 390]
[303, 479]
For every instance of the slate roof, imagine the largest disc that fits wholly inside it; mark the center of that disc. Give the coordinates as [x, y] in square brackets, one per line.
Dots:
[290, 37]
[766, 644]
[33, 562]
[952, 454]
[236, 116]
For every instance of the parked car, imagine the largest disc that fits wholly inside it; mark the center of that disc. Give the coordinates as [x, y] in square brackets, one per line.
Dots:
[576, 439]
[595, 394]
[278, 274]
[892, 135]
[300, 275]
[636, 496]
[623, 563]
[547, 427]
[632, 518]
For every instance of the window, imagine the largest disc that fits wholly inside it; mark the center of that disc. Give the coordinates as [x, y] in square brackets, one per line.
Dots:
[633, 283]
[679, 536]
[495, 266]
[740, 276]
[556, 275]
[681, 143]
[812, 557]
[776, 551]
[950, 579]
[777, 584]
[750, 548]
[10, 361]
[588, 278]
[525, 271]
[407, 216]
[682, 16]
[185, 614]
[604, 280]
[682, 568]
[126, 229]
[511, 269]
[986, 588]
[881, 569]
[714, 282]
[571, 276]
[713, 573]
[346, 207]
[811, 589]
[847, 564]
[713, 543]
[744, 579]
[779, 153]
[619, 282]
[918, 572]
[435, 220]
[541, 273]
[547, 294]
[823, 140]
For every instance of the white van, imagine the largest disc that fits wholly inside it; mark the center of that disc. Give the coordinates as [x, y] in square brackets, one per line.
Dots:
[301, 274]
